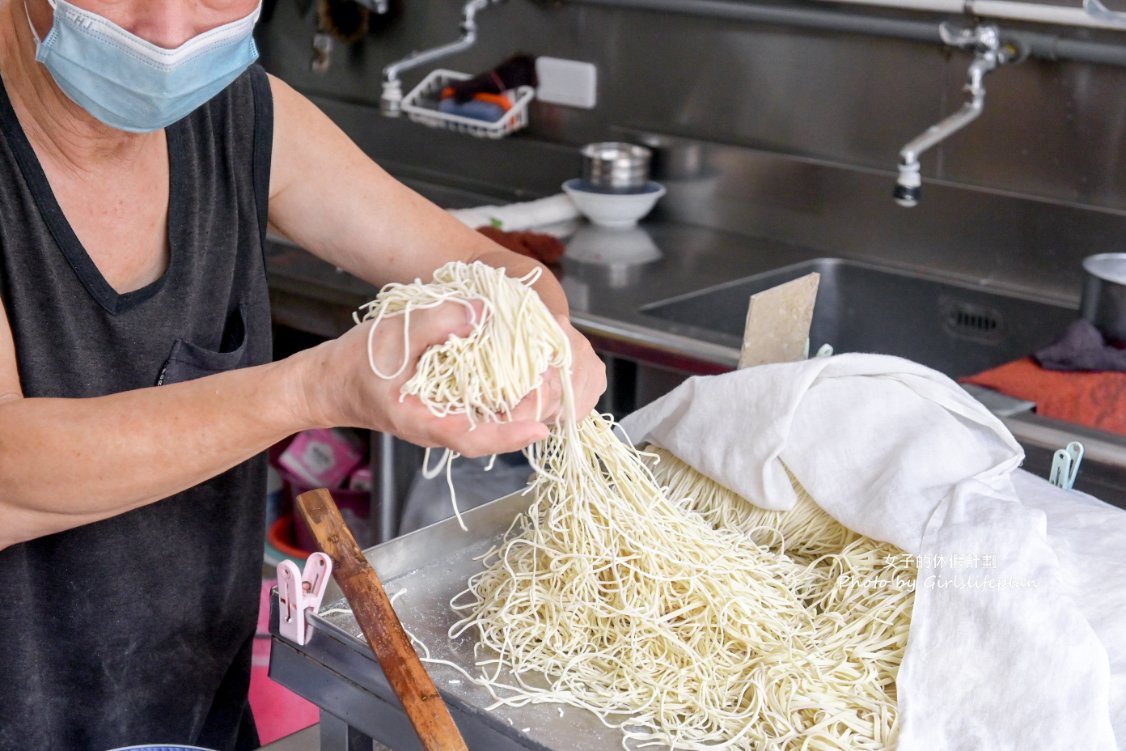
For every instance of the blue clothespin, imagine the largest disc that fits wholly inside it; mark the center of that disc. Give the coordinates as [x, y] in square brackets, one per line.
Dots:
[1065, 465]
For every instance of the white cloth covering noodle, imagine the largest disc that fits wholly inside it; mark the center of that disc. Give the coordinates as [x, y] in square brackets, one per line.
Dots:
[642, 591]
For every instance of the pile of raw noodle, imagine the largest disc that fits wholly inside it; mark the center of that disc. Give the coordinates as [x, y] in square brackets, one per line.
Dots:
[643, 591]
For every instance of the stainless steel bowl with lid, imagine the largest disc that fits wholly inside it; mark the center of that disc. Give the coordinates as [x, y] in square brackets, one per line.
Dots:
[1104, 294]
[616, 167]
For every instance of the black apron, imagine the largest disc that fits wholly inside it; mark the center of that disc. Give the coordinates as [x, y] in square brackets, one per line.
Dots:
[139, 628]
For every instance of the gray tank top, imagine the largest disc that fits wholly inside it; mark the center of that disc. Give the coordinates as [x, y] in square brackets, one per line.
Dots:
[139, 628]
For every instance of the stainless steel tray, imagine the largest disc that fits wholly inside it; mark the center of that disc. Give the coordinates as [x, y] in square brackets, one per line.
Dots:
[337, 671]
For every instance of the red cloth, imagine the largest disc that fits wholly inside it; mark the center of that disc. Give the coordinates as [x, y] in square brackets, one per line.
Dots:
[1097, 400]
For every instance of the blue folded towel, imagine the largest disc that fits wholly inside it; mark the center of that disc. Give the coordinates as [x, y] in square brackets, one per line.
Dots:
[475, 109]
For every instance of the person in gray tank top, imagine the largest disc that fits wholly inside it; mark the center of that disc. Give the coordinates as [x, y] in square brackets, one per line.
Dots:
[142, 157]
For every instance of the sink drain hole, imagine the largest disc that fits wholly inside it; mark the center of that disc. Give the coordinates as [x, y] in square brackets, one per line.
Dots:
[971, 321]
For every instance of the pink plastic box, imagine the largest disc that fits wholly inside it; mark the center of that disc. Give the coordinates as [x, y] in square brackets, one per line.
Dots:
[322, 458]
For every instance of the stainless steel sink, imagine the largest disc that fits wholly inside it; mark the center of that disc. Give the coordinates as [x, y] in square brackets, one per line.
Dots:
[955, 328]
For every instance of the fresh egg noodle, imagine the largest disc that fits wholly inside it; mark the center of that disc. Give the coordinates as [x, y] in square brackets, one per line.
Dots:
[486, 374]
[804, 533]
[483, 375]
[641, 590]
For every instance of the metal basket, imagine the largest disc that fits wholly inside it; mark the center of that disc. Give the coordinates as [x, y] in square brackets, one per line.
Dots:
[430, 90]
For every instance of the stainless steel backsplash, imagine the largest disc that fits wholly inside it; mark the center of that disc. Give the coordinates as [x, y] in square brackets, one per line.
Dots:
[769, 130]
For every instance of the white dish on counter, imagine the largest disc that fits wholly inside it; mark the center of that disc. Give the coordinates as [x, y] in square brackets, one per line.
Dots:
[613, 209]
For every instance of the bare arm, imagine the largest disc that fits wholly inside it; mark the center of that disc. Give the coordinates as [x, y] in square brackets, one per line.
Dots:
[68, 462]
[329, 197]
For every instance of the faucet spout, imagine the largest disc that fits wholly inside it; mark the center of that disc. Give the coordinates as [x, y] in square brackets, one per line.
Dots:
[988, 54]
[392, 86]
[908, 187]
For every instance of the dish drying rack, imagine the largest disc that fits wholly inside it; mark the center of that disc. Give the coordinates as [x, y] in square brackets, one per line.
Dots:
[420, 105]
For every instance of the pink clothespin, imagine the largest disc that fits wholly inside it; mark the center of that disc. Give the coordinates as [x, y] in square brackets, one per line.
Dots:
[299, 592]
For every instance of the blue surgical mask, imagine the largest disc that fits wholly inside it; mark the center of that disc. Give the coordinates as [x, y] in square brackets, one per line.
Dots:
[132, 84]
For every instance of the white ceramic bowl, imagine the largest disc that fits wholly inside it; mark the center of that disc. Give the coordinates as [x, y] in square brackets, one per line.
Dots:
[614, 209]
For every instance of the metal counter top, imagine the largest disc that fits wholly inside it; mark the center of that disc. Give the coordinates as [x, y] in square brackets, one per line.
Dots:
[310, 295]
[606, 297]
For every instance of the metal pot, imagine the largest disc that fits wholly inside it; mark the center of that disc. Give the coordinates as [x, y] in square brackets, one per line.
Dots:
[1104, 294]
[616, 167]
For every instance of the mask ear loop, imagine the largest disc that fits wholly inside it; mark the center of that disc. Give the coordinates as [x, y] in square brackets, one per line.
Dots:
[31, 26]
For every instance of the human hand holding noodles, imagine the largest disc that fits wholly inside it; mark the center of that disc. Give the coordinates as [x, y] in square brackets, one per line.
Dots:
[516, 364]
[337, 386]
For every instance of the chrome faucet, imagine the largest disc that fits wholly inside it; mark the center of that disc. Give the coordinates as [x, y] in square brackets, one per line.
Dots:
[985, 41]
[392, 86]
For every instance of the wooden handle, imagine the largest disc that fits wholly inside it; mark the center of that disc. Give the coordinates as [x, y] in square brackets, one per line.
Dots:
[373, 611]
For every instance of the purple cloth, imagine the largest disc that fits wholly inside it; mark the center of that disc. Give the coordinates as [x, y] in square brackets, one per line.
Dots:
[1082, 347]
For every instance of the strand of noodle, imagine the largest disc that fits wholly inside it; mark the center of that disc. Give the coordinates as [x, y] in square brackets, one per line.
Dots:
[430, 473]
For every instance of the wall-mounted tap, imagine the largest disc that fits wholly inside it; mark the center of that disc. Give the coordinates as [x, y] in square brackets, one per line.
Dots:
[985, 41]
[392, 86]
